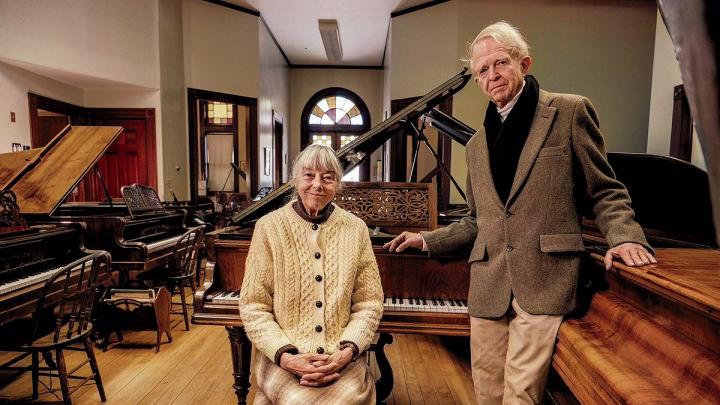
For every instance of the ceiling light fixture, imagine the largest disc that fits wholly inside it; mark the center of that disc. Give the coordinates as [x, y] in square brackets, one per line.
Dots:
[331, 39]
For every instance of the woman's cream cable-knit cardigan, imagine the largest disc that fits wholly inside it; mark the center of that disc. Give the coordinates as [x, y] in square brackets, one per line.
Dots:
[312, 288]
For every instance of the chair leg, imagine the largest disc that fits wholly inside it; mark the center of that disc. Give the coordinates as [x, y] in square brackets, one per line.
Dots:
[157, 342]
[94, 368]
[169, 336]
[62, 374]
[35, 373]
[184, 306]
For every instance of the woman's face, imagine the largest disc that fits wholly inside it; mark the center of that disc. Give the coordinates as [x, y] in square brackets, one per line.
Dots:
[316, 188]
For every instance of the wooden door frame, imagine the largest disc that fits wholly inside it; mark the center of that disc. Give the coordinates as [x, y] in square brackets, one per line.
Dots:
[277, 149]
[87, 116]
[193, 95]
[78, 115]
[398, 151]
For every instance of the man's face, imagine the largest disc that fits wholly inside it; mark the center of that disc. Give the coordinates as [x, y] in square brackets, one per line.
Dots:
[499, 75]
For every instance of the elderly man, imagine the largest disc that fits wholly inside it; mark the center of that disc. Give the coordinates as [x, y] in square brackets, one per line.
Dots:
[537, 159]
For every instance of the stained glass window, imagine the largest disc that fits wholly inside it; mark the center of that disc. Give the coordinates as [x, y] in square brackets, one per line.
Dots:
[335, 110]
[219, 113]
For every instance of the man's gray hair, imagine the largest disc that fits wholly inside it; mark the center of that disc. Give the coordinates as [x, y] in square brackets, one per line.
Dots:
[319, 157]
[507, 35]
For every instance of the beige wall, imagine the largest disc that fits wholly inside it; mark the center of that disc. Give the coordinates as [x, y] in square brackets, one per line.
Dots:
[304, 83]
[15, 83]
[115, 40]
[578, 47]
[173, 102]
[220, 49]
[274, 97]
[666, 75]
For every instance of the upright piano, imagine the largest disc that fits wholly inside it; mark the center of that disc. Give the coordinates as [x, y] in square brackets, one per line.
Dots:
[44, 179]
[423, 295]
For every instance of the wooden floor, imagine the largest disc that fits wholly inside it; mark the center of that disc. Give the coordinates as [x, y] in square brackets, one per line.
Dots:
[195, 369]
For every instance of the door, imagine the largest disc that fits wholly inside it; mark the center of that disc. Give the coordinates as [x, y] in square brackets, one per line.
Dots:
[131, 159]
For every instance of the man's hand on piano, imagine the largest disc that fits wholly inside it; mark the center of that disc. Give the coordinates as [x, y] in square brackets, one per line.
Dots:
[404, 241]
[632, 254]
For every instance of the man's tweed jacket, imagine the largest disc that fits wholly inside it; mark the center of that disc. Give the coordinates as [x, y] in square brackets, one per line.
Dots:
[530, 247]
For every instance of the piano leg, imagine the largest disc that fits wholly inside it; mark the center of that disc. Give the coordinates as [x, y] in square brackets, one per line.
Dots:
[240, 347]
[384, 384]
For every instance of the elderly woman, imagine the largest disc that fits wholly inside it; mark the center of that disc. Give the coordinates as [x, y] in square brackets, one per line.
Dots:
[311, 298]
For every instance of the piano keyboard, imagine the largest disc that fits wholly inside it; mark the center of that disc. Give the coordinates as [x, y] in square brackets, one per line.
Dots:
[161, 244]
[426, 305]
[390, 304]
[31, 279]
[230, 298]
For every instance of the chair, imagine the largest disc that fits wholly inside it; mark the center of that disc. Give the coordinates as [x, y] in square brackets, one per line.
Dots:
[61, 320]
[180, 271]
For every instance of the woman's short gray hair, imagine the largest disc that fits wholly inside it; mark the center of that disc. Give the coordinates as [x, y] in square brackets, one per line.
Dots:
[507, 35]
[319, 157]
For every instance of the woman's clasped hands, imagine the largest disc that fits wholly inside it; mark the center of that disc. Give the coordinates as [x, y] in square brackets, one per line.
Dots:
[316, 370]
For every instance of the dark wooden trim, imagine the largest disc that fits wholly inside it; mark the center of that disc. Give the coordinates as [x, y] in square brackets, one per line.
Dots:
[282, 52]
[251, 134]
[277, 148]
[306, 128]
[337, 67]
[416, 8]
[234, 7]
[398, 144]
[682, 125]
[387, 38]
[77, 114]
[398, 153]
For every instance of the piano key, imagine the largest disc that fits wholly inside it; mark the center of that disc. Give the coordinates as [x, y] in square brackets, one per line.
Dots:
[39, 277]
[161, 244]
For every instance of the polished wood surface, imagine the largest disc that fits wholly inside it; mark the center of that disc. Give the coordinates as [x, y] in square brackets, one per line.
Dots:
[648, 334]
[392, 206]
[60, 166]
[12, 163]
[196, 368]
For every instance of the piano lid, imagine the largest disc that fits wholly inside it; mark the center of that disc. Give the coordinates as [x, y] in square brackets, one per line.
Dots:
[44, 181]
[11, 164]
[357, 151]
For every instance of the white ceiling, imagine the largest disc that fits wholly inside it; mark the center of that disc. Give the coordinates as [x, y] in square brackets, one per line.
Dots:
[363, 27]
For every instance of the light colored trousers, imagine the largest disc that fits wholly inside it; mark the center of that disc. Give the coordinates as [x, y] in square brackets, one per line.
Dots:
[511, 356]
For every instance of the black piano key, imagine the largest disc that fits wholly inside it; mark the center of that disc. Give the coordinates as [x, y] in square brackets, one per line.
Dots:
[452, 303]
[465, 303]
[393, 300]
[434, 302]
[424, 301]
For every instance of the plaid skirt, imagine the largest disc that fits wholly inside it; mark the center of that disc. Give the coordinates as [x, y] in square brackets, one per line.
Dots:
[277, 386]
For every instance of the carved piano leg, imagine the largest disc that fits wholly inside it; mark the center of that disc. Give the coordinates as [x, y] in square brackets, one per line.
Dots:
[384, 384]
[240, 347]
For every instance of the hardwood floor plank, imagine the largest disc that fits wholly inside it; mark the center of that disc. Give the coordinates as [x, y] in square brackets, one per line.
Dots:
[196, 369]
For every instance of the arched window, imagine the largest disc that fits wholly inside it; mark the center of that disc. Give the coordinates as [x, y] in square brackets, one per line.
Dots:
[335, 117]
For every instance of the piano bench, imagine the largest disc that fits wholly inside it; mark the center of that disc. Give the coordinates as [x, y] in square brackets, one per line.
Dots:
[618, 354]
[135, 309]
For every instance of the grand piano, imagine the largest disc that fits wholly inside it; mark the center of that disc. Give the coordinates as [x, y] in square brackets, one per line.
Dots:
[640, 334]
[138, 238]
[433, 303]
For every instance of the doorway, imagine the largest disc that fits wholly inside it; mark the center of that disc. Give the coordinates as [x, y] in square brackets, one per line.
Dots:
[223, 134]
[131, 159]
